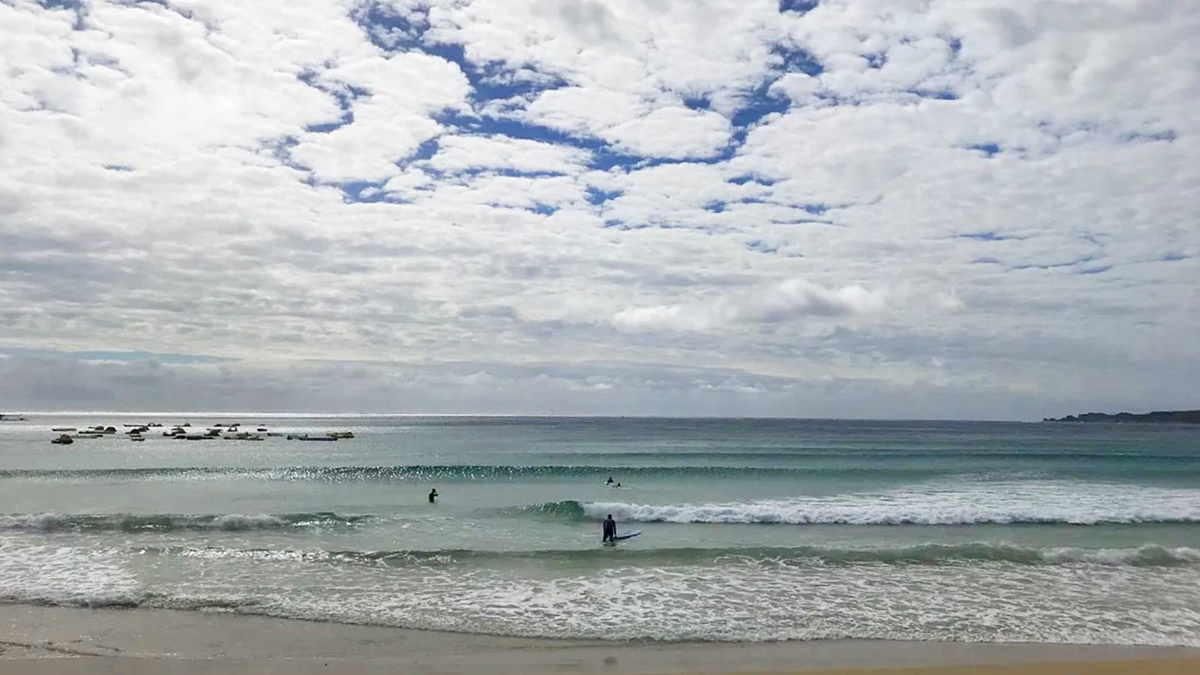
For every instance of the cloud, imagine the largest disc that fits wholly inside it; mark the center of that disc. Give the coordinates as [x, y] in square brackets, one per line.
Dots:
[790, 299]
[461, 153]
[989, 206]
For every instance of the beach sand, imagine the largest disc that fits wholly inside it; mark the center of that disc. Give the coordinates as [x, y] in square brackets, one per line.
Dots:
[51, 640]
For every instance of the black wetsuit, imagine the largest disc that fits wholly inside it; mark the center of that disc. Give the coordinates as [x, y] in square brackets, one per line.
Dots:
[610, 530]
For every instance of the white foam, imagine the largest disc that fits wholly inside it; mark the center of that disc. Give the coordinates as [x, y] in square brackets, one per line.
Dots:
[244, 522]
[735, 599]
[64, 575]
[939, 504]
[746, 601]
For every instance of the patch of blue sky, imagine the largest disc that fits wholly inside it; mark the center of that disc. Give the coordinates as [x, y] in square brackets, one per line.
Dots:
[760, 246]
[363, 191]
[596, 196]
[935, 94]
[759, 105]
[793, 60]
[988, 149]
[387, 28]
[986, 236]
[344, 96]
[280, 149]
[494, 83]
[1082, 260]
[79, 7]
[392, 31]
[515, 128]
[1138, 137]
[797, 6]
[803, 221]
[751, 178]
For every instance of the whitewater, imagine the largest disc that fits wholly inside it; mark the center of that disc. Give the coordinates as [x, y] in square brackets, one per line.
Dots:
[753, 529]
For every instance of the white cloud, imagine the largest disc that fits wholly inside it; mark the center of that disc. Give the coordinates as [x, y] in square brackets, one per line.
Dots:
[994, 198]
[782, 302]
[390, 121]
[460, 153]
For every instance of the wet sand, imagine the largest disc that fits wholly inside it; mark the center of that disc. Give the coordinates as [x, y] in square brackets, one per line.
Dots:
[50, 640]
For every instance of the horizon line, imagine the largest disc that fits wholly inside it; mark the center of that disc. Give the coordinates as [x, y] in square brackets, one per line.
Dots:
[218, 414]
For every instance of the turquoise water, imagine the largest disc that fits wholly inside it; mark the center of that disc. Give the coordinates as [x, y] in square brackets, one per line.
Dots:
[752, 529]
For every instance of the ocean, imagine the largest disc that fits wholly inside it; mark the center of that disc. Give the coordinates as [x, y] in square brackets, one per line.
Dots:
[752, 529]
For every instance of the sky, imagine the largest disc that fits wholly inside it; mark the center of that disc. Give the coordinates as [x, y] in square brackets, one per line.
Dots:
[845, 208]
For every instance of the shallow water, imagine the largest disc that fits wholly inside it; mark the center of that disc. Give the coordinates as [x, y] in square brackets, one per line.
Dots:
[753, 529]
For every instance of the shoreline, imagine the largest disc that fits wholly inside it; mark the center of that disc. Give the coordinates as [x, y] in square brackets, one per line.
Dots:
[43, 640]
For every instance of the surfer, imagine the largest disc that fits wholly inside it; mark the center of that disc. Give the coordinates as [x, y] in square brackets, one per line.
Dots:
[433, 495]
[609, 481]
[610, 529]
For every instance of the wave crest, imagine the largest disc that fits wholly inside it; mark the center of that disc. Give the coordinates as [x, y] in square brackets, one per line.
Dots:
[127, 522]
[920, 554]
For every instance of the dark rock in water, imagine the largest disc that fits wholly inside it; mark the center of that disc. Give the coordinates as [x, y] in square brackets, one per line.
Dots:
[1156, 417]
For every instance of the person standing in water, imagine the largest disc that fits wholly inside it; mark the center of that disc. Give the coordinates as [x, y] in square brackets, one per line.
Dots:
[433, 495]
[610, 529]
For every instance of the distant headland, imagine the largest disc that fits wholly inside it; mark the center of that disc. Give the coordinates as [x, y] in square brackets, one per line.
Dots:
[1156, 417]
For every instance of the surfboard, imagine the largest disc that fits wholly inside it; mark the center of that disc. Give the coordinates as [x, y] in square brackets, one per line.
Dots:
[627, 535]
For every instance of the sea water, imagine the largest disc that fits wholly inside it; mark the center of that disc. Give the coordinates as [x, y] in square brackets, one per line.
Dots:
[752, 529]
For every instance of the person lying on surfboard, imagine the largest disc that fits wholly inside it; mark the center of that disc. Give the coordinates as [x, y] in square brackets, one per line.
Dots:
[610, 529]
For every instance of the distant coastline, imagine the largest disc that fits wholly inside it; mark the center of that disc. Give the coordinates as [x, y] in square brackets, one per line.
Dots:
[1156, 417]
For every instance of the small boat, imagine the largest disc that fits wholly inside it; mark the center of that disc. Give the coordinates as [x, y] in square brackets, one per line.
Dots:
[62, 440]
[89, 435]
[306, 437]
[137, 439]
[63, 429]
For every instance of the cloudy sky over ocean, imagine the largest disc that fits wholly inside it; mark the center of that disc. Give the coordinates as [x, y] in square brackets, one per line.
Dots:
[868, 208]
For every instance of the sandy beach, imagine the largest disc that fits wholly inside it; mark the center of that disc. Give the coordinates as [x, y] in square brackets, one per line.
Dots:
[50, 640]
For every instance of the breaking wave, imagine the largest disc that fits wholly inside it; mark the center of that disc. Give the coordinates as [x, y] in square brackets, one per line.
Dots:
[163, 522]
